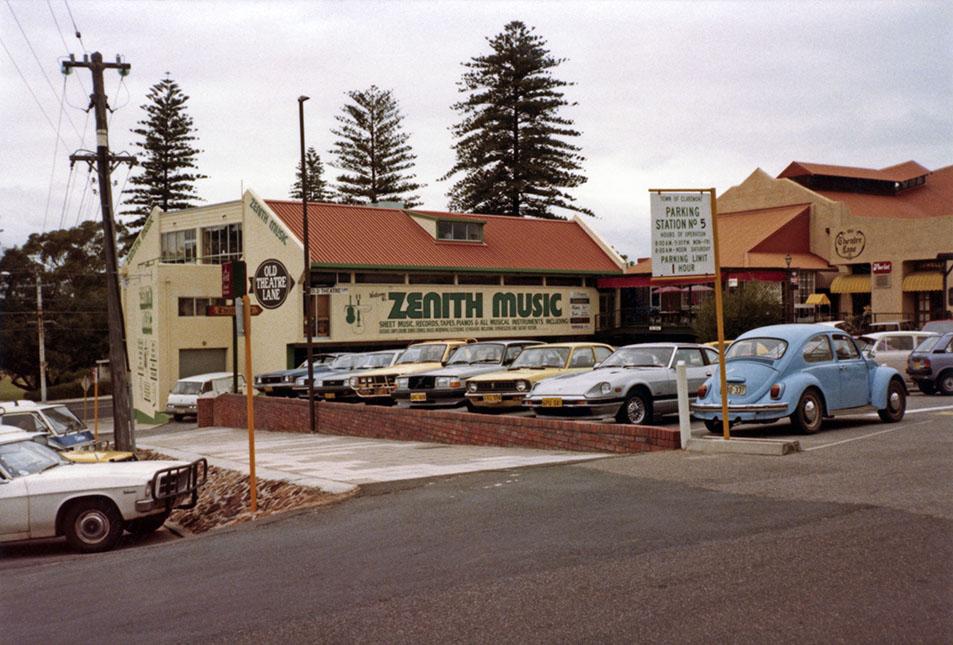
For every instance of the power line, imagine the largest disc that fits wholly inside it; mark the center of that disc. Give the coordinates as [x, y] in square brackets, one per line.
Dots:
[69, 183]
[39, 64]
[56, 149]
[79, 36]
[30, 89]
[65, 46]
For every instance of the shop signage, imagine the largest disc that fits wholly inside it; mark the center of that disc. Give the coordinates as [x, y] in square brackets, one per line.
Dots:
[682, 235]
[450, 312]
[850, 243]
[272, 284]
[233, 279]
[269, 221]
[881, 267]
[229, 310]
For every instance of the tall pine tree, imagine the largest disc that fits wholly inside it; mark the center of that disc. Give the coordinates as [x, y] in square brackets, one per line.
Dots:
[373, 151]
[167, 157]
[317, 187]
[511, 142]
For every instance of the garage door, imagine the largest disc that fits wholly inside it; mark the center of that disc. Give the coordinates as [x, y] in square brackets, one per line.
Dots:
[201, 361]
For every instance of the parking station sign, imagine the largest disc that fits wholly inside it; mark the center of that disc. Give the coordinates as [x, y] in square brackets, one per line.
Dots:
[682, 234]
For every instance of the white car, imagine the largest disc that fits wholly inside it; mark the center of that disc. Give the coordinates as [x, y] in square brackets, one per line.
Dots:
[184, 397]
[891, 348]
[43, 495]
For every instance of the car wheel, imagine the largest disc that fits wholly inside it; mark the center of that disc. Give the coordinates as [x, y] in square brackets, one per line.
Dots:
[178, 417]
[714, 426]
[92, 525]
[896, 403]
[147, 525]
[809, 413]
[926, 387]
[945, 382]
[637, 409]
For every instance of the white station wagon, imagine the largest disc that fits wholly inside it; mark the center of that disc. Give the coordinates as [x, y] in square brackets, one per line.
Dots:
[43, 495]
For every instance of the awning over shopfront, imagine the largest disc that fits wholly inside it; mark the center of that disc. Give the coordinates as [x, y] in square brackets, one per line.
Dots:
[818, 300]
[923, 281]
[851, 284]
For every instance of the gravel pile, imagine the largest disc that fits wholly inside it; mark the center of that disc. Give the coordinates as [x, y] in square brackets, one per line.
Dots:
[223, 500]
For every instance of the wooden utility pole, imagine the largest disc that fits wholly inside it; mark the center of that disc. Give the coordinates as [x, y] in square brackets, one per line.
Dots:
[123, 436]
[41, 335]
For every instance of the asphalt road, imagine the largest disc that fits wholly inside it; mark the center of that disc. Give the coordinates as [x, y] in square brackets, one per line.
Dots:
[848, 541]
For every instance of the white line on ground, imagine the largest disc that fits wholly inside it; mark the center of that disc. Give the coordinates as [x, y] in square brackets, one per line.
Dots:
[918, 410]
[866, 436]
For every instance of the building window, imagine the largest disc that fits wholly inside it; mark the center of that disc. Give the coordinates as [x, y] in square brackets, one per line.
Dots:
[324, 279]
[523, 280]
[477, 278]
[806, 282]
[430, 278]
[221, 243]
[379, 278]
[563, 281]
[198, 306]
[459, 231]
[178, 247]
[322, 316]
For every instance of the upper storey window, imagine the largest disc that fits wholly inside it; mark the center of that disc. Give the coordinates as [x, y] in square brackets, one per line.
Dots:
[457, 231]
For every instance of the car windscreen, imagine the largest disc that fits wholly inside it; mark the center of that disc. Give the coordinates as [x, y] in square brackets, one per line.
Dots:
[24, 458]
[538, 357]
[928, 344]
[477, 353]
[63, 420]
[770, 349]
[187, 387]
[347, 361]
[639, 357]
[377, 360]
[423, 354]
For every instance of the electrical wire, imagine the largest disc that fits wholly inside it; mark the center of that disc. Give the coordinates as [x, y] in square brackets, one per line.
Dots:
[39, 64]
[79, 36]
[30, 89]
[69, 182]
[56, 22]
[56, 150]
[82, 199]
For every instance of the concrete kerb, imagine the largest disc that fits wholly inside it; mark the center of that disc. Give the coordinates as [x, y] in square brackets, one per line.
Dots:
[744, 446]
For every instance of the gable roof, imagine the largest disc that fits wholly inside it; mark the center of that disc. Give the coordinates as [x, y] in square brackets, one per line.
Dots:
[898, 173]
[933, 199]
[356, 236]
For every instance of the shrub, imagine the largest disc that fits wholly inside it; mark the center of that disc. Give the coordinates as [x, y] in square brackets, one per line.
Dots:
[753, 304]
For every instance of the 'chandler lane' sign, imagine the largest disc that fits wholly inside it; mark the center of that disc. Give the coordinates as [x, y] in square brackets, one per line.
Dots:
[272, 284]
[682, 240]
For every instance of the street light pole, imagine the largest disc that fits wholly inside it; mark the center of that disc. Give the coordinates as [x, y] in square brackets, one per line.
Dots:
[308, 298]
[786, 295]
[41, 335]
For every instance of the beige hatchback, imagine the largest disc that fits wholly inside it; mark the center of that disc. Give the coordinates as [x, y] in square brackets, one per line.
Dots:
[377, 385]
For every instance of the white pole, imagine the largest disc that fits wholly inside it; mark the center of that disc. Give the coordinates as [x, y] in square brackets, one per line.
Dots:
[684, 416]
[40, 335]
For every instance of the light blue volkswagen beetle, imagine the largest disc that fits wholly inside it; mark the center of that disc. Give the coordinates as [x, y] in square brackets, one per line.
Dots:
[805, 372]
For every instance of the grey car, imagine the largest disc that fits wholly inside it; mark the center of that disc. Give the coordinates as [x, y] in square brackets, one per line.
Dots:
[636, 383]
[930, 365]
[447, 387]
[332, 385]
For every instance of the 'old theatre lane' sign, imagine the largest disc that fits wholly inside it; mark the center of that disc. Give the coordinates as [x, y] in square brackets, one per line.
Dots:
[272, 284]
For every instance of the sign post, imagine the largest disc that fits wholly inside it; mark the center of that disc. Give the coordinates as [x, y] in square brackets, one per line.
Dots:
[250, 406]
[685, 245]
[85, 383]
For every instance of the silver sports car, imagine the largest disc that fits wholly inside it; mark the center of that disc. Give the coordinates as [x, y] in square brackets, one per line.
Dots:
[634, 384]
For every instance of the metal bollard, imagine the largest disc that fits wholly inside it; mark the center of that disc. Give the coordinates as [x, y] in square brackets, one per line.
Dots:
[684, 415]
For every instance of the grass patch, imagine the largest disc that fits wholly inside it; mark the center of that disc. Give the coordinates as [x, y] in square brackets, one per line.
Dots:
[9, 391]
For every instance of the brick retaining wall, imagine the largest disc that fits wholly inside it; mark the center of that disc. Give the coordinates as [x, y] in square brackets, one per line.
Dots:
[379, 422]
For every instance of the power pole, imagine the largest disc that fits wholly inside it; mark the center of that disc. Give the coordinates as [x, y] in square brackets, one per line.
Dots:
[309, 299]
[41, 339]
[123, 436]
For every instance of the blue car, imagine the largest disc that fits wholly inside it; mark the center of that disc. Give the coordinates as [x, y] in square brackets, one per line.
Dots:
[804, 372]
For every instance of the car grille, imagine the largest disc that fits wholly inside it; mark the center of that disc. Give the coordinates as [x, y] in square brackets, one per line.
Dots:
[368, 381]
[269, 380]
[174, 483]
[332, 383]
[422, 382]
[495, 386]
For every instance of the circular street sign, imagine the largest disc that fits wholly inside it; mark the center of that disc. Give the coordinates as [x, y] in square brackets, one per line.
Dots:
[272, 284]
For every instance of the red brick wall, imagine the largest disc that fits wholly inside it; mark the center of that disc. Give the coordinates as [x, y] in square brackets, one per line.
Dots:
[378, 422]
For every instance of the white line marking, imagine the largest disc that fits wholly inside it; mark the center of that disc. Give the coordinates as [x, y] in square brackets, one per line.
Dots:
[866, 436]
[917, 410]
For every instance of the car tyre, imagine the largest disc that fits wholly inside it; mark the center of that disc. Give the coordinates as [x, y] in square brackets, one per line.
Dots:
[714, 426]
[637, 409]
[926, 387]
[945, 383]
[809, 413]
[178, 417]
[147, 525]
[896, 403]
[92, 525]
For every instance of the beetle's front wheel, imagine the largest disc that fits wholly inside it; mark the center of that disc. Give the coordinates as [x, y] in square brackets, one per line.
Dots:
[896, 403]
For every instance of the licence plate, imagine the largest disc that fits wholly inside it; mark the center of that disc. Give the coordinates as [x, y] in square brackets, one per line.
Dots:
[492, 398]
[267, 388]
[552, 403]
[330, 395]
[418, 396]
[738, 389]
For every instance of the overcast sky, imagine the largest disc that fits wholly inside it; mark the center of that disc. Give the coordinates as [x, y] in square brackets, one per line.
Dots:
[670, 94]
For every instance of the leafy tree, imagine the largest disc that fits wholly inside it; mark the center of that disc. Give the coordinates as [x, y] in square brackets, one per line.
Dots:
[512, 143]
[317, 187]
[373, 151]
[167, 157]
[752, 304]
[72, 274]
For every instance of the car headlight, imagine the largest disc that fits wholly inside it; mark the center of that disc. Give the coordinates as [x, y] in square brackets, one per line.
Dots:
[287, 379]
[353, 381]
[403, 383]
[599, 389]
[522, 386]
[258, 380]
[471, 387]
[447, 382]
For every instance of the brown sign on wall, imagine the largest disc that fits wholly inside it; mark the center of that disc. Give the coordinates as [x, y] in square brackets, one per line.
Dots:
[850, 243]
[272, 284]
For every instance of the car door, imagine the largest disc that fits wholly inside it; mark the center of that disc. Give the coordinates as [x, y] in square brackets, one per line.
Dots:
[695, 368]
[819, 362]
[892, 350]
[852, 373]
[14, 508]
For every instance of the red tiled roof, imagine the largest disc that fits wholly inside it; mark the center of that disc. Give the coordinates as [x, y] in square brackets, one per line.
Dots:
[900, 172]
[363, 236]
[933, 199]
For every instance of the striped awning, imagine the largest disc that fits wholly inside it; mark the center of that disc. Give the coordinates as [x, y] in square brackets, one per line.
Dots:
[851, 284]
[818, 300]
[923, 281]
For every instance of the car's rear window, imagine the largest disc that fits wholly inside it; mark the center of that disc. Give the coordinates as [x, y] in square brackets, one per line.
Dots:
[770, 349]
[928, 344]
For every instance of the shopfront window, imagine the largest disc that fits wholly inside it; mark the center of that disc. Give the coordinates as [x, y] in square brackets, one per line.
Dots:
[322, 316]
[221, 243]
[178, 247]
[806, 282]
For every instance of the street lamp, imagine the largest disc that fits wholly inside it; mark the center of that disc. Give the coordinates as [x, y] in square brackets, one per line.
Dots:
[786, 295]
